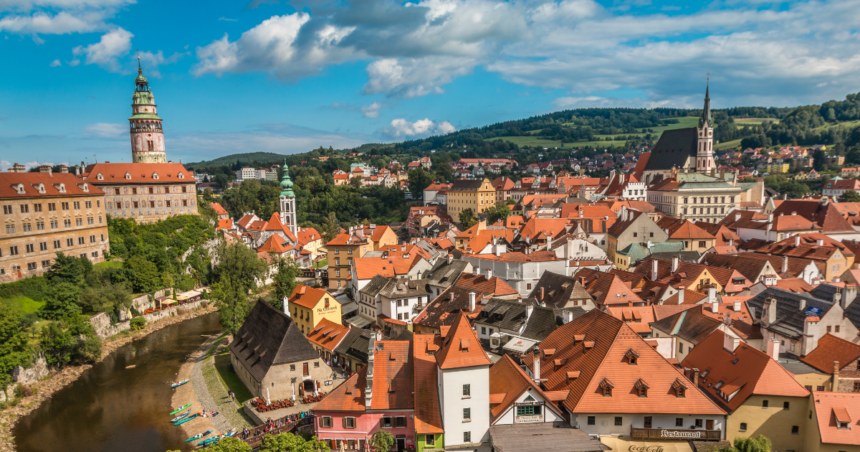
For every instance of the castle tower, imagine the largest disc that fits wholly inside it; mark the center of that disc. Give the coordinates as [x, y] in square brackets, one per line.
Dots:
[147, 138]
[288, 201]
[705, 152]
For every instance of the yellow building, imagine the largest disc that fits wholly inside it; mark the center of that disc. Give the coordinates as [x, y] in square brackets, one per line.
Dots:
[355, 243]
[47, 213]
[832, 423]
[308, 306]
[777, 168]
[478, 195]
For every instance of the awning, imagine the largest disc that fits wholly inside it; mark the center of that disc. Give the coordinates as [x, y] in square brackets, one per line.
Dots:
[519, 345]
[358, 321]
[627, 444]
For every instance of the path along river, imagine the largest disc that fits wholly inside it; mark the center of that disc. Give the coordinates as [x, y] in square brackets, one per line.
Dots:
[111, 408]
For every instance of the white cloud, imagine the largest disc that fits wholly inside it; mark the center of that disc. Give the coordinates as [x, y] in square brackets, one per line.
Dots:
[56, 63]
[106, 52]
[227, 19]
[106, 130]
[52, 17]
[151, 61]
[372, 110]
[401, 128]
[74, 62]
[411, 77]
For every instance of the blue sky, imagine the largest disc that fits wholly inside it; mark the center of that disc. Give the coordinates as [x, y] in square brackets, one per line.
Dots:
[288, 76]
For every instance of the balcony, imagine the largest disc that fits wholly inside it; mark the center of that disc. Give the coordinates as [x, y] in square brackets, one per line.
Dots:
[671, 433]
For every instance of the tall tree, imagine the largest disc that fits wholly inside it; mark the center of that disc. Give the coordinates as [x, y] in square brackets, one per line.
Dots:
[14, 349]
[288, 442]
[330, 227]
[498, 212]
[466, 217]
[62, 302]
[382, 441]
[418, 181]
[236, 274]
[850, 196]
[284, 281]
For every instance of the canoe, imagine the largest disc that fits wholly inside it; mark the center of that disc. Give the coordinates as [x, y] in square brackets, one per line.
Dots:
[179, 409]
[182, 421]
[175, 385]
[209, 441]
[180, 416]
[198, 436]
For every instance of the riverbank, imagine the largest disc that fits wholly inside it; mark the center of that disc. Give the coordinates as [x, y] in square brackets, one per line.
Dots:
[58, 380]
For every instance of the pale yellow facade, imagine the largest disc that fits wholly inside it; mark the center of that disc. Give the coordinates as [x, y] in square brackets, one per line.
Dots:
[775, 422]
[478, 200]
[308, 317]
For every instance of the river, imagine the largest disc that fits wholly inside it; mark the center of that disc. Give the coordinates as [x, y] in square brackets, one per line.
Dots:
[111, 408]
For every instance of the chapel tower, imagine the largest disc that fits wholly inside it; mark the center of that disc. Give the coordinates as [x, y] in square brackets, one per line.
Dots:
[147, 137]
[288, 201]
[705, 151]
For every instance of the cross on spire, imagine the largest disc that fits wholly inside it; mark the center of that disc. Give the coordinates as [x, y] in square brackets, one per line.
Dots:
[139, 70]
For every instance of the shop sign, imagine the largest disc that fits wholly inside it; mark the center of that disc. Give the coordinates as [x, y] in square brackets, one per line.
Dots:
[528, 419]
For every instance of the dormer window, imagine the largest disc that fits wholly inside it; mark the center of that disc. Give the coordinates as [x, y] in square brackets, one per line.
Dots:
[605, 387]
[127, 176]
[99, 176]
[62, 188]
[641, 388]
[680, 388]
[181, 175]
[85, 187]
[154, 176]
[19, 188]
[631, 357]
[41, 188]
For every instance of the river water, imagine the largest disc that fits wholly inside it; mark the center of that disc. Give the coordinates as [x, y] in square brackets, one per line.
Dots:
[111, 408]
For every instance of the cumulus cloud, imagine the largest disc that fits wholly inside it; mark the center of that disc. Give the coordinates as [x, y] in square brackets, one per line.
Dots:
[52, 17]
[56, 63]
[106, 52]
[414, 77]
[372, 110]
[106, 130]
[401, 128]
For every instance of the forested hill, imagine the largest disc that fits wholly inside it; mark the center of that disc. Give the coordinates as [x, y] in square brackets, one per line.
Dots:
[619, 129]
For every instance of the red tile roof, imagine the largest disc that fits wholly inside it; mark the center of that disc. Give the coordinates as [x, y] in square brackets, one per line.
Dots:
[460, 347]
[307, 297]
[218, 209]
[508, 382]
[274, 244]
[428, 416]
[537, 256]
[139, 173]
[834, 407]
[393, 265]
[73, 185]
[683, 229]
[327, 334]
[225, 224]
[494, 286]
[831, 348]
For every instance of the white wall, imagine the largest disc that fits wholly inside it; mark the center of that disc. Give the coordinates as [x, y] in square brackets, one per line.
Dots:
[452, 403]
[507, 418]
[605, 423]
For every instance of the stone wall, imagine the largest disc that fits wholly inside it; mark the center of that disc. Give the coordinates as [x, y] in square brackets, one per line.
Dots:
[101, 321]
[32, 375]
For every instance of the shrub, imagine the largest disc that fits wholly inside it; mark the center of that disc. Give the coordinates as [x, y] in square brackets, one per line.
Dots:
[137, 323]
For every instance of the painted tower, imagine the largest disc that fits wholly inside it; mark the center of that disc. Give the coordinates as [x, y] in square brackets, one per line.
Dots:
[288, 201]
[705, 152]
[147, 138]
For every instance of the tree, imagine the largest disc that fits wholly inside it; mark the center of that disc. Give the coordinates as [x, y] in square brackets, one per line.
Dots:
[355, 182]
[14, 349]
[757, 444]
[143, 274]
[229, 444]
[819, 161]
[137, 323]
[288, 442]
[71, 340]
[418, 181]
[284, 281]
[498, 212]
[62, 302]
[168, 282]
[850, 196]
[236, 273]
[222, 180]
[68, 269]
[105, 297]
[382, 441]
[330, 227]
[466, 218]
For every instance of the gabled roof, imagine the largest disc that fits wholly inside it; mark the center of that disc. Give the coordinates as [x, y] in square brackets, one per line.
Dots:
[745, 372]
[327, 334]
[683, 229]
[428, 415]
[508, 379]
[139, 173]
[268, 337]
[218, 209]
[494, 286]
[460, 347]
[822, 213]
[832, 408]
[790, 318]
[595, 345]
[307, 297]
[274, 244]
[691, 325]
[466, 185]
[830, 349]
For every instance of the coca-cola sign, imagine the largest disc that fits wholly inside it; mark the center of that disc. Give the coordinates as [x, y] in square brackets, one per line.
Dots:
[654, 448]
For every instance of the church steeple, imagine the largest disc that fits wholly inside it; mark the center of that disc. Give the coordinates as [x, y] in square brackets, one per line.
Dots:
[147, 137]
[706, 111]
[288, 201]
[705, 150]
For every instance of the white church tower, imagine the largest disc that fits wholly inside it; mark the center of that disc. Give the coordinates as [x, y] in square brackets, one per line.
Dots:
[705, 152]
[288, 201]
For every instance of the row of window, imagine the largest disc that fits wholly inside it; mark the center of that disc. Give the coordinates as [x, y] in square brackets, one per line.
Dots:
[46, 264]
[349, 422]
[9, 209]
[703, 210]
[702, 200]
[55, 224]
[151, 204]
[150, 190]
[43, 246]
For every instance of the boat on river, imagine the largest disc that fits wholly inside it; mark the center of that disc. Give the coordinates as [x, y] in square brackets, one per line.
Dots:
[179, 383]
[180, 416]
[215, 439]
[179, 409]
[198, 436]
[182, 421]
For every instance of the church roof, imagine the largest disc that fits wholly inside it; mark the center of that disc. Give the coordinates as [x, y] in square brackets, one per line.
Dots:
[673, 149]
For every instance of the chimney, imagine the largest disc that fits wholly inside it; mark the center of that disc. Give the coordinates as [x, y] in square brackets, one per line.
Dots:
[542, 293]
[770, 308]
[837, 297]
[654, 270]
[536, 368]
[770, 218]
[476, 270]
[773, 349]
[368, 390]
[819, 242]
[489, 273]
[566, 317]
[731, 242]
[287, 306]
[715, 307]
[681, 295]
[730, 343]
[450, 259]
[835, 382]
[695, 372]
[785, 263]
[471, 301]
[712, 295]
[737, 217]
[849, 293]
[529, 309]
[675, 261]
[797, 240]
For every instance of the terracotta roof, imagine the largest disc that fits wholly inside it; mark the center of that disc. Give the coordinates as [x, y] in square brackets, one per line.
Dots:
[460, 347]
[274, 244]
[503, 183]
[826, 216]
[225, 224]
[307, 297]
[794, 285]
[327, 334]
[570, 210]
[428, 416]
[832, 408]
[683, 229]
[307, 235]
[274, 224]
[508, 380]
[605, 363]
[829, 349]
[74, 186]
[536, 228]
[720, 232]
[609, 289]
[536, 256]
[690, 297]
[218, 209]
[747, 370]
[139, 173]
[245, 221]
[393, 265]
[485, 237]
[494, 286]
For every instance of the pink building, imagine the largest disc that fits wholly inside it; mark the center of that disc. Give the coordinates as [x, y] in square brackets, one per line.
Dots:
[378, 396]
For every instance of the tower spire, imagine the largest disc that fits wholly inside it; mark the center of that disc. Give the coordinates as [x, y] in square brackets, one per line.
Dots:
[287, 200]
[706, 119]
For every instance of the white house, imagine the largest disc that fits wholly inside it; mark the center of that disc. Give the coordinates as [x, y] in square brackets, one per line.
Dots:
[521, 271]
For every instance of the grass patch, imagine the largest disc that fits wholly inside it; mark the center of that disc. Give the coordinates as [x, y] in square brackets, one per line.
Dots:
[755, 121]
[321, 264]
[108, 264]
[727, 145]
[22, 304]
[229, 378]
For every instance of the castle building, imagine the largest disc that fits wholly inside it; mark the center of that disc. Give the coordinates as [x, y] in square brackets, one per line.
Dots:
[147, 136]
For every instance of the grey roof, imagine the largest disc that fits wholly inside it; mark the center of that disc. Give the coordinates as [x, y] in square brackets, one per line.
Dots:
[428, 247]
[466, 185]
[503, 314]
[404, 287]
[852, 312]
[790, 317]
[444, 274]
[269, 338]
[354, 344]
[673, 149]
[798, 367]
[555, 437]
[375, 285]
[558, 290]
[541, 324]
